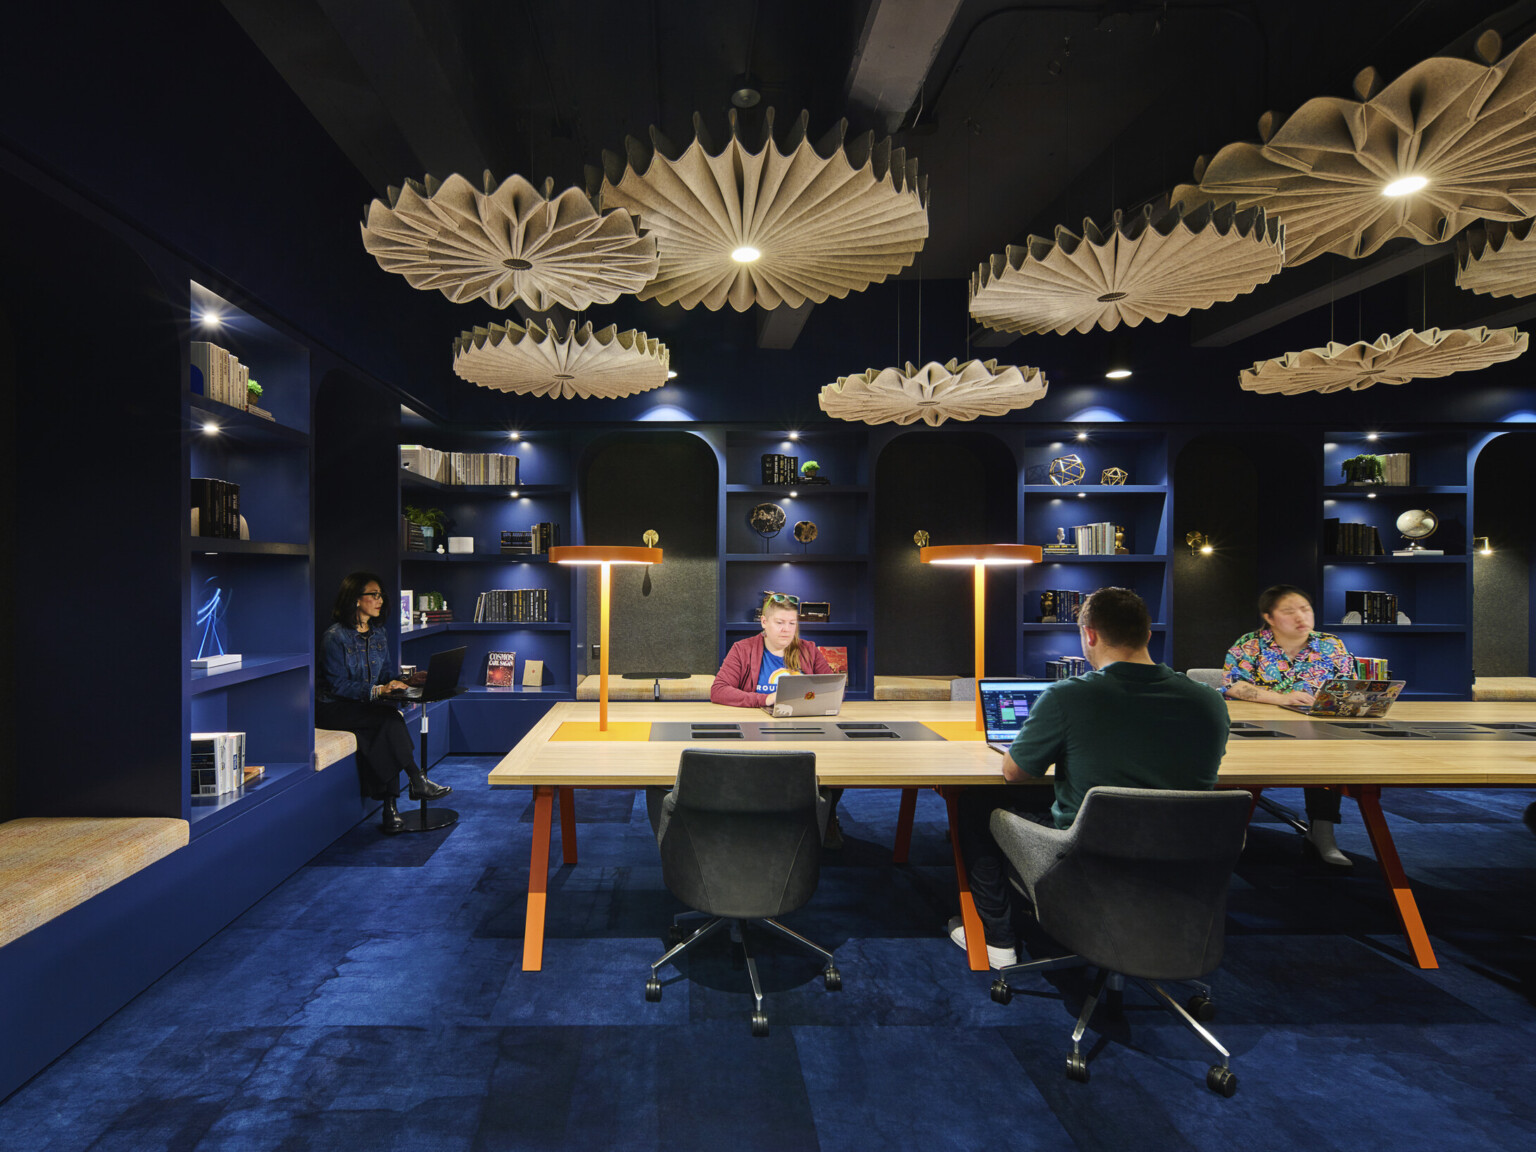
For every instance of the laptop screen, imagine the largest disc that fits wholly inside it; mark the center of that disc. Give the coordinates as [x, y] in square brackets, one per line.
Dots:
[1005, 705]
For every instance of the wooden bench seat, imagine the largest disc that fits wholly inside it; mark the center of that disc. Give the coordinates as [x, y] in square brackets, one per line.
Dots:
[690, 688]
[331, 746]
[914, 687]
[1504, 688]
[49, 864]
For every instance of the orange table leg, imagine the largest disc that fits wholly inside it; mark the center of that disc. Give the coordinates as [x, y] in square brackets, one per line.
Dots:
[567, 824]
[904, 817]
[538, 878]
[1368, 796]
[975, 943]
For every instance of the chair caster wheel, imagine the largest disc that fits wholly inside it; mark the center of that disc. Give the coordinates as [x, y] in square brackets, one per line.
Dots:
[675, 934]
[1201, 1007]
[1222, 1081]
[1077, 1067]
[759, 1024]
[653, 990]
[1001, 993]
[833, 979]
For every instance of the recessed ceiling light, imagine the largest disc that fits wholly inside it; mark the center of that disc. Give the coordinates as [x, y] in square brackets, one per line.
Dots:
[1082, 435]
[514, 435]
[211, 318]
[210, 429]
[794, 435]
[513, 492]
[745, 254]
[1405, 186]
[794, 493]
[1371, 436]
[1370, 495]
[1117, 374]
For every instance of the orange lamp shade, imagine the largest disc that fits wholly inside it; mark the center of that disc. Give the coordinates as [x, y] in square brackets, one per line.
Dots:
[989, 554]
[604, 554]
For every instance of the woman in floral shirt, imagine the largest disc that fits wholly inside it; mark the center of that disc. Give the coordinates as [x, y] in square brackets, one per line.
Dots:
[1285, 663]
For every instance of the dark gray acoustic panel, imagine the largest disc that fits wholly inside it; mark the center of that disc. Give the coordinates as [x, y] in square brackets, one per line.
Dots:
[663, 615]
[960, 488]
[1216, 491]
[1504, 485]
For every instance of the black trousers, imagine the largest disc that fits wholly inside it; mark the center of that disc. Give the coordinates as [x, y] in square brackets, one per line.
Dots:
[384, 747]
[985, 864]
[1323, 804]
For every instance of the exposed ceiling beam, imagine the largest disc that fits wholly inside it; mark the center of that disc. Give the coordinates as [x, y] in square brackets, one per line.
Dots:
[899, 43]
[780, 327]
[1300, 290]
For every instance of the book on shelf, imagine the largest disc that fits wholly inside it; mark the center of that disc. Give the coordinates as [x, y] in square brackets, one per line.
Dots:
[262, 412]
[780, 469]
[1370, 606]
[215, 508]
[513, 606]
[218, 763]
[1370, 668]
[499, 669]
[1065, 668]
[536, 541]
[1395, 468]
[1060, 605]
[216, 374]
[407, 608]
[1345, 538]
[470, 468]
[1097, 539]
[837, 657]
[533, 673]
[222, 662]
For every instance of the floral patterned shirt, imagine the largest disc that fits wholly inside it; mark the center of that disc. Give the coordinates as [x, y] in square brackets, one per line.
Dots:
[1257, 659]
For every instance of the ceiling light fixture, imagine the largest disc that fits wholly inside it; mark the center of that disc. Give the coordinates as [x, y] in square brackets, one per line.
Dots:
[671, 374]
[1396, 359]
[1118, 374]
[212, 319]
[1407, 186]
[794, 435]
[534, 361]
[514, 436]
[210, 429]
[1372, 436]
[744, 92]
[1082, 435]
[933, 393]
[745, 254]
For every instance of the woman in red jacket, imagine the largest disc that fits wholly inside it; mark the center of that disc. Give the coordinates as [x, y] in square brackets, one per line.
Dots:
[749, 676]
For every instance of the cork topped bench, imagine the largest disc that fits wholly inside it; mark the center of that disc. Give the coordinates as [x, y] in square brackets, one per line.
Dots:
[686, 688]
[331, 746]
[49, 864]
[915, 688]
[1504, 688]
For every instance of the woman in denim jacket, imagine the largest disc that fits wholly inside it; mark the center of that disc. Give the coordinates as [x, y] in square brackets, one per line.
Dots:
[354, 671]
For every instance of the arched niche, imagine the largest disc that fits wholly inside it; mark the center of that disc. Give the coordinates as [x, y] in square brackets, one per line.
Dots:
[664, 616]
[961, 487]
[1263, 531]
[1503, 483]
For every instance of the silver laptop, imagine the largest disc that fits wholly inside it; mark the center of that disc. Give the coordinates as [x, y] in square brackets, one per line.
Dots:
[1005, 704]
[1356, 699]
[814, 695]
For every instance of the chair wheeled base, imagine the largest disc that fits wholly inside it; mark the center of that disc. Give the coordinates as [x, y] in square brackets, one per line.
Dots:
[1219, 1078]
[831, 977]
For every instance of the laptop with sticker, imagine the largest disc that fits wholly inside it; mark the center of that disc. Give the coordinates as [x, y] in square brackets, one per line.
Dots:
[820, 694]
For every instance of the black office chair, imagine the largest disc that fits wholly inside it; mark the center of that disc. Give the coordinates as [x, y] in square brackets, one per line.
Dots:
[1136, 887]
[740, 838]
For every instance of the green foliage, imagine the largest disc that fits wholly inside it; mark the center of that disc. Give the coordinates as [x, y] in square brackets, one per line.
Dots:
[810, 468]
[1362, 469]
[253, 388]
[433, 518]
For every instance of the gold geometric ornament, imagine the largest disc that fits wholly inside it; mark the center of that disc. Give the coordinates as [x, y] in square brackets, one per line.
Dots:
[1158, 262]
[508, 243]
[1396, 359]
[1497, 259]
[933, 393]
[826, 219]
[1463, 127]
[1067, 470]
[1113, 476]
[530, 360]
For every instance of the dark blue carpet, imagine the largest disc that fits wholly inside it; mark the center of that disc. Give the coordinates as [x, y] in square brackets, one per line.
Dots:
[376, 1001]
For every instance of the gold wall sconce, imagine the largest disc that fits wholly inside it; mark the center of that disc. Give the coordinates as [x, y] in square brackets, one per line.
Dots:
[920, 538]
[1199, 543]
[1481, 546]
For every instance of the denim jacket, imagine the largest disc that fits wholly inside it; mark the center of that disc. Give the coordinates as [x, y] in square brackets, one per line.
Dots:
[351, 663]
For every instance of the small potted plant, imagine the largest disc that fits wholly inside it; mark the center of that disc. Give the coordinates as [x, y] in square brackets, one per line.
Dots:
[1363, 469]
[252, 394]
[433, 524]
[810, 472]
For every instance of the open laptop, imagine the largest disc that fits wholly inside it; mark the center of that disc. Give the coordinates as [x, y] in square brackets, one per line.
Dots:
[813, 695]
[1362, 699]
[441, 683]
[1005, 705]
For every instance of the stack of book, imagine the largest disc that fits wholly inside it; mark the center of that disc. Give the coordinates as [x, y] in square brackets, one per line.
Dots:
[1394, 468]
[1060, 606]
[411, 538]
[217, 503]
[218, 763]
[1065, 668]
[1371, 668]
[435, 616]
[1346, 539]
[513, 606]
[1096, 539]
[780, 469]
[459, 467]
[538, 540]
[218, 375]
[1373, 607]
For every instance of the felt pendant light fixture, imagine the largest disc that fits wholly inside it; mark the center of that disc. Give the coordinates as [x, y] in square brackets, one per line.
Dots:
[767, 221]
[1497, 259]
[1147, 265]
[1396, 359]
[933, 393]
[507, 243]
[533, 361]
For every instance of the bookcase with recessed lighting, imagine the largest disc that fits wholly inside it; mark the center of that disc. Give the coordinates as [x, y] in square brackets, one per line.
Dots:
[821, 550]
[486, 583]
[1432, 589]
[1137, 498]
[248, 567]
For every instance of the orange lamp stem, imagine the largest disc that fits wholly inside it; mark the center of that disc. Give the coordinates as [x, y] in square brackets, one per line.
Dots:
[981, 637]
[602, 648]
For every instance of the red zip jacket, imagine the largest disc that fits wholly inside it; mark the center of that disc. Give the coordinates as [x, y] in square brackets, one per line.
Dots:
[736, 682]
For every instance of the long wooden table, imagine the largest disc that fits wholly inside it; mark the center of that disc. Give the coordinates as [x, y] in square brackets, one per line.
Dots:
[564, 751]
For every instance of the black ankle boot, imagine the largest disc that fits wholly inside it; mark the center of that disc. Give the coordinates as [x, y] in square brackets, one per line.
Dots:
[391, 821]
[424, 789]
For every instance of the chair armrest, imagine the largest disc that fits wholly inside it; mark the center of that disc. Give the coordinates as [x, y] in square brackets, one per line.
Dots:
[1031, 848]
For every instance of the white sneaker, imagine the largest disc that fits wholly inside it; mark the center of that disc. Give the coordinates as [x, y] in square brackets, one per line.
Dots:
[996, 957]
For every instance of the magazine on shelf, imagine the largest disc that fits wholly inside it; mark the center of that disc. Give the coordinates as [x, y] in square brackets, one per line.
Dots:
[499, 669]
[837, 657]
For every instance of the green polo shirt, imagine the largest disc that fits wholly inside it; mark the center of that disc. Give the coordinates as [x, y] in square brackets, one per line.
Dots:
[1124, 726]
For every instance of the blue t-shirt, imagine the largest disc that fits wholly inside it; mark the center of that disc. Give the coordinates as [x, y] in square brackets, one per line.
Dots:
[768, 675]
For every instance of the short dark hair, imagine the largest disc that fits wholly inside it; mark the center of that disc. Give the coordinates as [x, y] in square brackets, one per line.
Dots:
[1119, 616]
[1278, 592]
[344, 611]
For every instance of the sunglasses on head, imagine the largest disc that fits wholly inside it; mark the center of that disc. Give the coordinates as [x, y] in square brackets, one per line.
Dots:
[784, 598]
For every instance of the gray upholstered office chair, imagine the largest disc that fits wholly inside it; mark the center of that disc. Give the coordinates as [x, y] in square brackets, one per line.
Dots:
[1136, 887]
[740, 838]
[1210, 677]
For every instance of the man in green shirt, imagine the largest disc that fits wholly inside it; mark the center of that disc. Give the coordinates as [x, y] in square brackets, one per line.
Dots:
[1129, 723]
